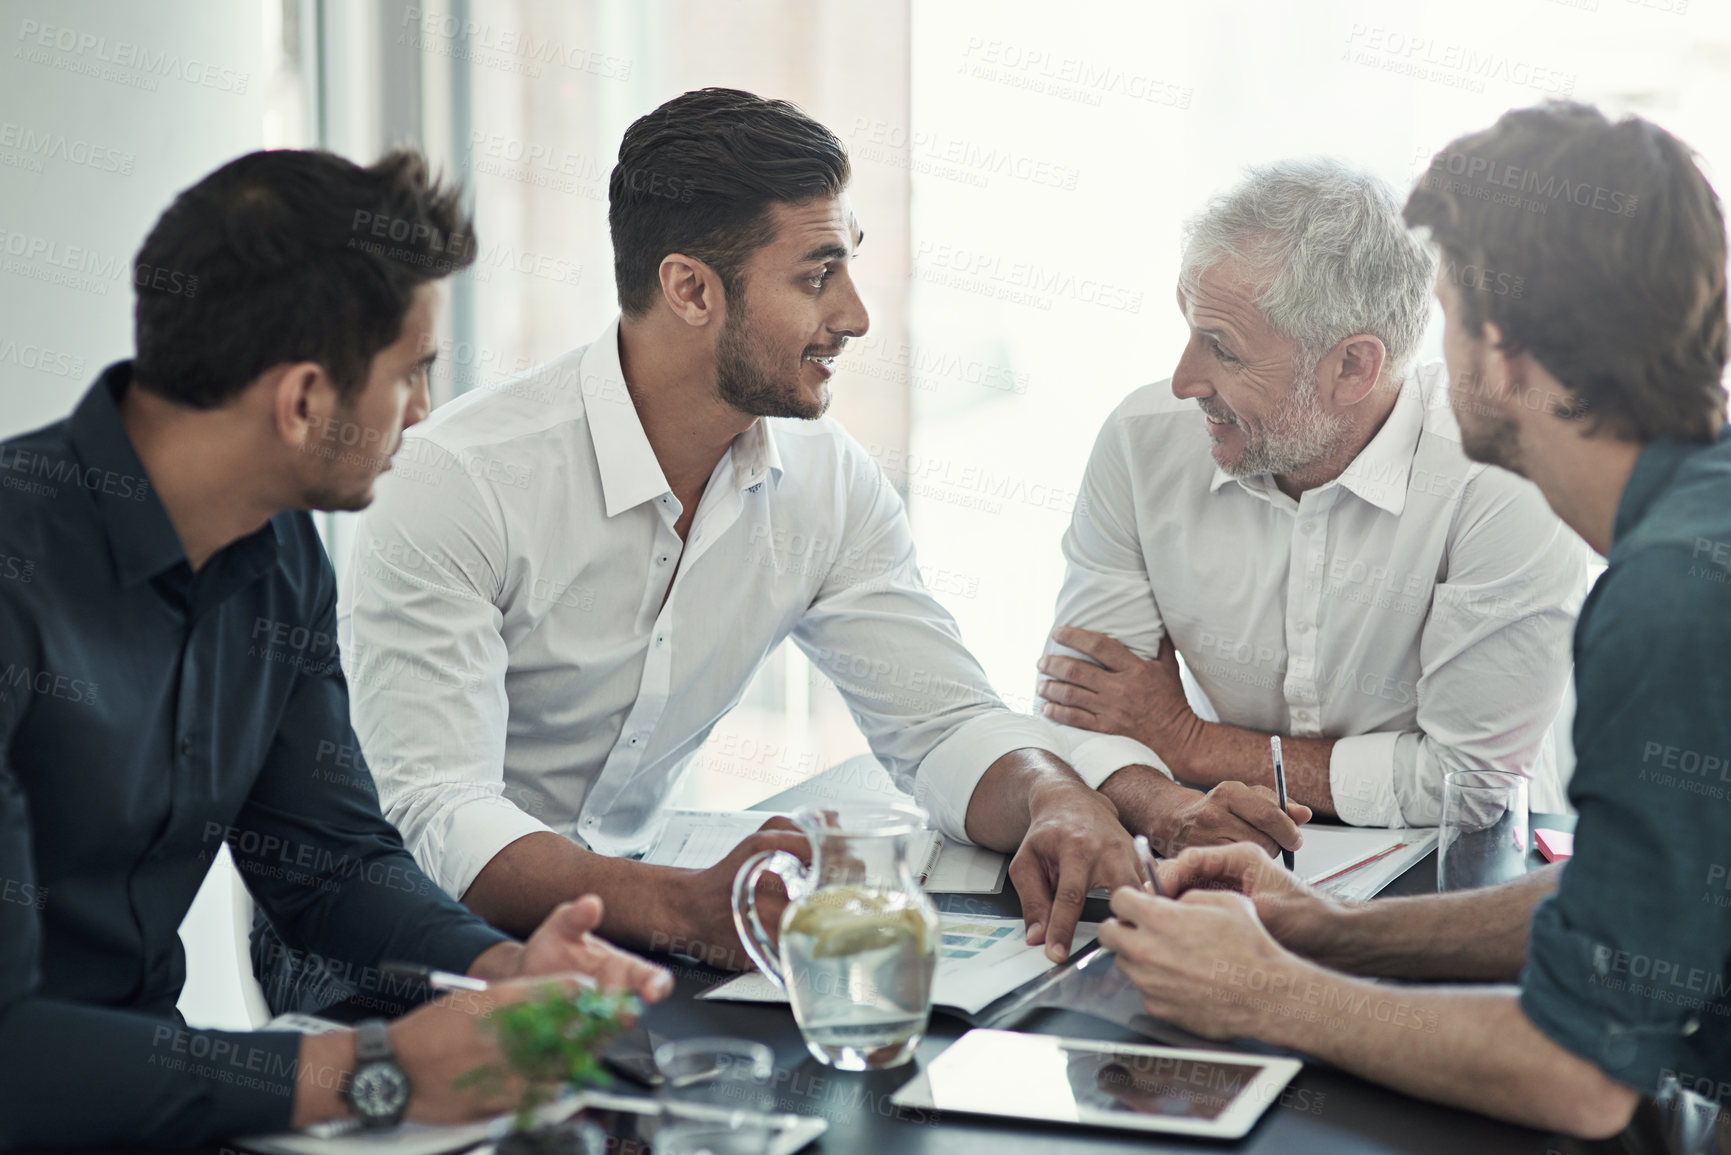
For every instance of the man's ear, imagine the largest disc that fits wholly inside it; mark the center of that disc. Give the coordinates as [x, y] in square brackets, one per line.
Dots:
[304, 403]
[692, 290]
[1352, 369]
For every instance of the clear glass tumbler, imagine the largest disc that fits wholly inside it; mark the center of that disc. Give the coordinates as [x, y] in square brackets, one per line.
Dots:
[1483, 839]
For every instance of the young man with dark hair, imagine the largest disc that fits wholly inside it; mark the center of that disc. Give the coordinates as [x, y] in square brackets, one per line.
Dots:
[675, 506]
[1602, 384]
[170, 683]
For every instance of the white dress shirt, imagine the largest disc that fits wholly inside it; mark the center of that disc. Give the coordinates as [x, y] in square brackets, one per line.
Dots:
[530, 646]
[1417, 609]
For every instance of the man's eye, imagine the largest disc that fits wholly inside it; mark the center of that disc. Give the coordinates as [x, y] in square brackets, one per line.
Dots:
[1222, 355]
[817, 281]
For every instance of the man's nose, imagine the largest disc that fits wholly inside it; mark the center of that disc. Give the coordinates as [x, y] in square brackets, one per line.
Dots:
[1189, 380]
[420, 404]
[852, 320]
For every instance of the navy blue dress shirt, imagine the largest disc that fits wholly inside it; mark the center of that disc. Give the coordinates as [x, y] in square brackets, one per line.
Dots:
[148, 715]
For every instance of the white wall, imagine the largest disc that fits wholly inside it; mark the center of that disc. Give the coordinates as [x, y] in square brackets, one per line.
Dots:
[106, 111]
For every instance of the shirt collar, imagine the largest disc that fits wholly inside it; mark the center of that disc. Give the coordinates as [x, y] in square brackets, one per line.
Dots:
[756, 455]
[630, 473]
[141, 538]
[1652, 476]
[1382, 470]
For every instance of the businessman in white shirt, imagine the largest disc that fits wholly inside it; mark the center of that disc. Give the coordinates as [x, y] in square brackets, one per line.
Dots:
[572, 577]
[1312, 540]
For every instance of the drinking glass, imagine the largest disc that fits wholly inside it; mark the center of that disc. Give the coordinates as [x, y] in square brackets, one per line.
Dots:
[717, 1083]
[1483, 839]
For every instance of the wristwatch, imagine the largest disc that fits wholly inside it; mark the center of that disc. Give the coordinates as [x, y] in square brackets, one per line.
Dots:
[378, 1091]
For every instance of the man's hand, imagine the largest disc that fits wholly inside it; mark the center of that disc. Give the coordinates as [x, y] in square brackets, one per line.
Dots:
[1123, 694]
[567, 942]
[439, 1043]
[1203, 962]
[706, 930]
[1230, 812]
[1074, 843]
[1300, 917]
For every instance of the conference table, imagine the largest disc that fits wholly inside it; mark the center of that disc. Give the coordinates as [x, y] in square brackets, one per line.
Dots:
[1323, 1112]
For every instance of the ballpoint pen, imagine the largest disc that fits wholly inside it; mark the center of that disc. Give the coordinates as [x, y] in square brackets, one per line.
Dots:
[1146, 854]
[1280, 790]
[439, 980]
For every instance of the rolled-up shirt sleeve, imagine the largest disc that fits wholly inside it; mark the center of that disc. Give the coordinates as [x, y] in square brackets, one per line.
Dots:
[426, 661]
[896, 655]
[1631, 957]
[1106, 589]
[1491, 674]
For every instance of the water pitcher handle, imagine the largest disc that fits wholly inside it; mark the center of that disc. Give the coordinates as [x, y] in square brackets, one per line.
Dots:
[752, 936]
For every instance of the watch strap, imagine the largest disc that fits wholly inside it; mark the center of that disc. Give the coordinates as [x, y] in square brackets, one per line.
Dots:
[372, 1041]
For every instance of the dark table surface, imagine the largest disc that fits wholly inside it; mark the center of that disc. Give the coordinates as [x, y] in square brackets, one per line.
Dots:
[1324, 1111]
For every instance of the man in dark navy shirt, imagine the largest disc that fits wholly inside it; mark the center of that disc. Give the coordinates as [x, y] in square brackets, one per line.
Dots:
[1602, 383]
[169, 681]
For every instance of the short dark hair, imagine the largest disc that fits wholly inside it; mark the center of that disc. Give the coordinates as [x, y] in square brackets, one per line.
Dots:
[698, 176]
[1617, 243]
[286, 256]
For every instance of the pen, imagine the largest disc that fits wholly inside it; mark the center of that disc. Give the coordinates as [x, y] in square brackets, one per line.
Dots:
[1146, 854]
[437, 980]
[1280, 790]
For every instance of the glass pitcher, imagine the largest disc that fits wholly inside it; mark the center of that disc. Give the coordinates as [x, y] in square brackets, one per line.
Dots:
[859, 937]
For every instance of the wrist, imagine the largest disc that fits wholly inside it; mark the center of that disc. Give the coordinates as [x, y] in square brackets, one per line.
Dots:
[1156, 803]
[1055, 785]
[502, 960]
[324, 1066]
[1346, 937]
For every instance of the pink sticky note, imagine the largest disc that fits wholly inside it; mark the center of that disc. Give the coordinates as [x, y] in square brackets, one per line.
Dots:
[1555, 845]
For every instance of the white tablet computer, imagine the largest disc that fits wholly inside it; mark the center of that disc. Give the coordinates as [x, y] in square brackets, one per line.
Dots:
[1214, 1094]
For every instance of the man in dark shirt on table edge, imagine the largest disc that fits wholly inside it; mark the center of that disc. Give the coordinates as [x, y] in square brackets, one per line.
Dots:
[169, 680]
[1601, 383]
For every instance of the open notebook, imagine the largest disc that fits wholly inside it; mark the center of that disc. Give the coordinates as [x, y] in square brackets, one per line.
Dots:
[696, 839]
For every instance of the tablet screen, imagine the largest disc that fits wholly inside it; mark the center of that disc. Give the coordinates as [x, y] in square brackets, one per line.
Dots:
[1124, 1085]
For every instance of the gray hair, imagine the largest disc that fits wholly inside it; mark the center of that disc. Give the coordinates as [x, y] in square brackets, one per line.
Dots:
[1340, 259]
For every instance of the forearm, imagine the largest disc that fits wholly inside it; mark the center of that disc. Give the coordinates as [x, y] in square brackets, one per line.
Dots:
[522, 884]
[1214, 752]
[1472, 934]
[1470, 1048]
[1004, 800]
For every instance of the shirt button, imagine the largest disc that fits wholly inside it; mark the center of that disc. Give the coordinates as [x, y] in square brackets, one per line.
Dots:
[632, 741]
[186, 746]
[662, 560]
[1307, 526]
[660, 639]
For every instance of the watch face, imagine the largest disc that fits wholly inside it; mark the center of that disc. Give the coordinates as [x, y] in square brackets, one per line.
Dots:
[379, 1091]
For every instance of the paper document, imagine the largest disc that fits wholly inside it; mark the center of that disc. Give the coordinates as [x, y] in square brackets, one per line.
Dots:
[1332, 850]
[1369, 879]
[980, 960]
[698, 839]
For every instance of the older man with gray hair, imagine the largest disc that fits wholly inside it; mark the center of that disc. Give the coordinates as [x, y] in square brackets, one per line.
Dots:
[1311, 539]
